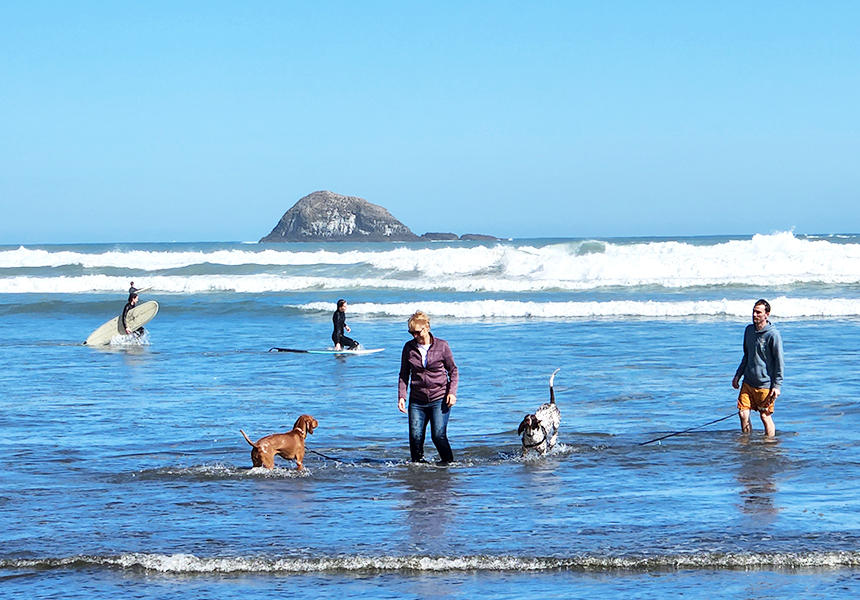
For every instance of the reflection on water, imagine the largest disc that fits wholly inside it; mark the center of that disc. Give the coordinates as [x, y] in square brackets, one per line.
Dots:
[427, 505]
[759, 464]
[542, 488]
[428, 508]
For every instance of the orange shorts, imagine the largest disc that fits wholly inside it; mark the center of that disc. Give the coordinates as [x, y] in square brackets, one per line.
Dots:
[752, 398]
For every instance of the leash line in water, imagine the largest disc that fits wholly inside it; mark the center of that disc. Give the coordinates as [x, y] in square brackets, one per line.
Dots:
[323, 455]
[690, 429]
[663, 437]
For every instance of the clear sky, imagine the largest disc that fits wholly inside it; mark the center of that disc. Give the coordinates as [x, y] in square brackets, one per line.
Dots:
[207, 120]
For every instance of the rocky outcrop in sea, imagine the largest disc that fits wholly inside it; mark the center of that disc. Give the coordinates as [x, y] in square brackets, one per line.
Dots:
[432, 236]
[453, 237]
[328, 217]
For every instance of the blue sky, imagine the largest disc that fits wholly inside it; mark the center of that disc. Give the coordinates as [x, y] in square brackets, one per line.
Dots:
[206, 121]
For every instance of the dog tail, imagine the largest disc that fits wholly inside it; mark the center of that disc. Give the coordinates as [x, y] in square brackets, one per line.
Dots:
[551, 391]
[247, 439]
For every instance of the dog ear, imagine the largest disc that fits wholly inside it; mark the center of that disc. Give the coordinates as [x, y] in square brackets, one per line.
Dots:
[306, 424]
[523, 424]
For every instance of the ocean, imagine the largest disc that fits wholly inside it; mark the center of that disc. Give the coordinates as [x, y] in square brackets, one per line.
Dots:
[123, 472]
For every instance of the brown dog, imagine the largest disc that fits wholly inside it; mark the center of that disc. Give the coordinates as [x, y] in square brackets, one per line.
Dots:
[290, 445]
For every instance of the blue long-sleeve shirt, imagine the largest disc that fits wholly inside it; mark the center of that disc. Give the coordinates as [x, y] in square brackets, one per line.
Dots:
[762, 364]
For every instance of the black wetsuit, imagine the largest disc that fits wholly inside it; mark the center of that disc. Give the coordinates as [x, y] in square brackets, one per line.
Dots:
[128, 307]
[337, 336]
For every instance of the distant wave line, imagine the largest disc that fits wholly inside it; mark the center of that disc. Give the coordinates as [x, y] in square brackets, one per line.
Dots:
[477, 309]
[266, 283]
[191, 564]
[566, 265]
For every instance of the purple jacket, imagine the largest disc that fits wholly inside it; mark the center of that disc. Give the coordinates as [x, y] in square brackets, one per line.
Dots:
[438, 379]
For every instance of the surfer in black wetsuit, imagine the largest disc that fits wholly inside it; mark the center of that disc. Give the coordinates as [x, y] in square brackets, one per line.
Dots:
[132, 302]
[339, 320]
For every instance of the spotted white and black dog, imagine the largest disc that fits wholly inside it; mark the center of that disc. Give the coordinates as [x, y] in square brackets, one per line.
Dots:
[540, 430]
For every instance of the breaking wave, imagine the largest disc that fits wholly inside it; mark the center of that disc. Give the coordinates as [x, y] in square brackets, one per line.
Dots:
[783, 307]
[500, 267]
[191, 564]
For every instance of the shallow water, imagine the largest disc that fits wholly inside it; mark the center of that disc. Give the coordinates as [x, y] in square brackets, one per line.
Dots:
[122, 470]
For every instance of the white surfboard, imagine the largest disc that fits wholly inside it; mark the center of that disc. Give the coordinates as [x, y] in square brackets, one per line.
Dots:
[138, 316]
[328, 351]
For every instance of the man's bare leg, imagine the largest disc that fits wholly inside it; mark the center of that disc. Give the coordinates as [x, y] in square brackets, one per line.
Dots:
[769, 427]
[744, 415]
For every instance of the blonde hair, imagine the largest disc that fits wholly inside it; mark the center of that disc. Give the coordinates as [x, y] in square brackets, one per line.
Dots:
[417, 320]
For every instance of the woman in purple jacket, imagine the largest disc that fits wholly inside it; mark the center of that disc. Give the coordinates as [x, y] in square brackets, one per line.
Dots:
[427, 363]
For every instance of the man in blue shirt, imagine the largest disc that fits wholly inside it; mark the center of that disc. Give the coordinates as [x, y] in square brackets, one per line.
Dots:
[761, 368]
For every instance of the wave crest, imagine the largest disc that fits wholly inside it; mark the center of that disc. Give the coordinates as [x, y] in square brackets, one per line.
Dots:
[783, 307]
[191, 564]
[501, 267]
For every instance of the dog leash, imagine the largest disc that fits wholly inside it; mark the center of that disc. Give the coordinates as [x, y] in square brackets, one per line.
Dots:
[323, 455]
[690, 429]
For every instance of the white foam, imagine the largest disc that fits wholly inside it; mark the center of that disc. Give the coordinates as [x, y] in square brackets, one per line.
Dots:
[258, 284]
[130, 340]
[154, 260]
[189, 563]
[763, 260]
[783, 307]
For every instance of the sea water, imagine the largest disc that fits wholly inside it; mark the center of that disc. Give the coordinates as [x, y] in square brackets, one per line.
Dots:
[123, 473]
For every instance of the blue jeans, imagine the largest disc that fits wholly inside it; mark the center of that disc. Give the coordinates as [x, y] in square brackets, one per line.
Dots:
[437, 412]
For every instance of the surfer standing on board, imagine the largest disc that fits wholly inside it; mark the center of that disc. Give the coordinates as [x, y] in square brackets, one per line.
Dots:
[339, 320]
[132, 302]
[761, 368]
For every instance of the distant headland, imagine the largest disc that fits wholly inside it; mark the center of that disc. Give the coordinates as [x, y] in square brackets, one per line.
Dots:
[328, 217]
